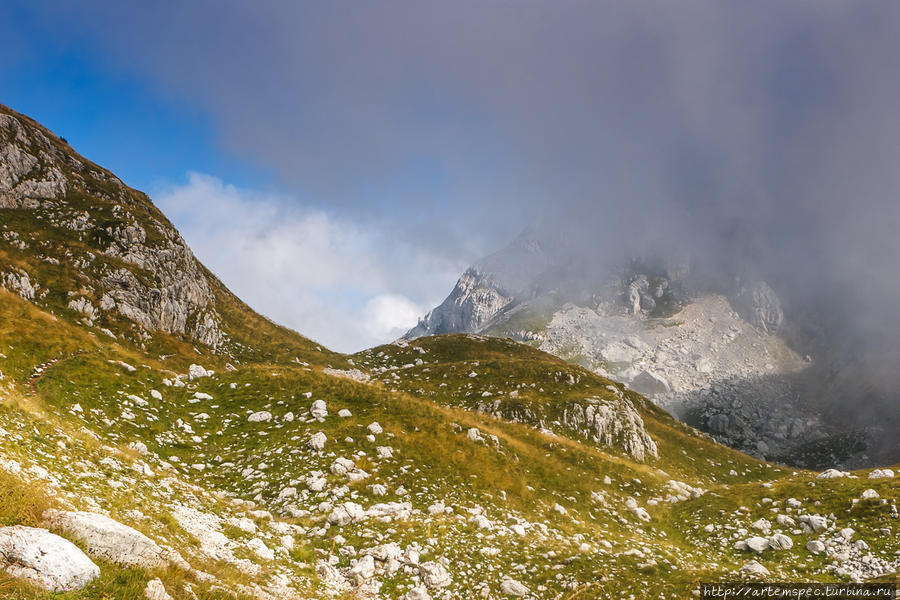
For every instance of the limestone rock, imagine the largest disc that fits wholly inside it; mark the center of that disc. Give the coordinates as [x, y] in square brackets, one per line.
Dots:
[155, 590]
[881, 474]
[754, 568]
[760, 305]
[434, 575]
[317, 441]
[108, 539]
[262, 416]
[44, 559]
[815, 546]
[319, 409]
[511, 587]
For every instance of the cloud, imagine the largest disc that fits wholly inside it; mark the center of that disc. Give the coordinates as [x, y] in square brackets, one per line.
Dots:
[326, 277]
[388, 316]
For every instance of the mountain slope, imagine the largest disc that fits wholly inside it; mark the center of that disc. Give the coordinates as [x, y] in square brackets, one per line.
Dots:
[251, 463]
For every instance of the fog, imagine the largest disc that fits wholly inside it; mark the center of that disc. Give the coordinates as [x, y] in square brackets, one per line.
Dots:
[764, 136]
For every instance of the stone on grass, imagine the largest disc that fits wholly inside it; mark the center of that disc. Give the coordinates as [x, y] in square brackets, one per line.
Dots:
[108, 539]
[511, 587]
[262, 416]
[318, 410]
[155, 590]
[44, 559]
[754, 568]
[434, 575]
[317, 441]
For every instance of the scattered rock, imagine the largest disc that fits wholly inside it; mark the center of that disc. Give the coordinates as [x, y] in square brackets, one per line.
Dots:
[262, 416]
[831, 474]
[779, 541]
[881, 474]
[434, 575]
[511, 587]
[815, 546]
[348, 512]
[870, 494]
[317, 441]
[754, 568]
[155, 590]
[319, 409]
[198, 372]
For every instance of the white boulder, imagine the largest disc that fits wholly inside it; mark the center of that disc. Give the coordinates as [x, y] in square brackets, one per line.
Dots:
[155, 590]
[815, 546]
[779, 541]
[319, 410]
[511, 587]
[108, 539]
[754, 568]
[44, 559]
[346, 513]
[881, 474]
[757, 544]
[434, 575]
[262, 416]
[317, 441]
[197, 371]
[363, 569]
[831, 474]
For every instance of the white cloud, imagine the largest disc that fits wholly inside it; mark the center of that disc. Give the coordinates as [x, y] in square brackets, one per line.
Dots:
[341, 283]
[388, 316]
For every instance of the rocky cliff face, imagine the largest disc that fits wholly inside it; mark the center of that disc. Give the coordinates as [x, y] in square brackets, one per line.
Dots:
[129, 263]
[475, 300]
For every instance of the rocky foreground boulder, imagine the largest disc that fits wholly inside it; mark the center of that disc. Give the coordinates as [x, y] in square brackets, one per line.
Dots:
[44, 559]
[109, 539]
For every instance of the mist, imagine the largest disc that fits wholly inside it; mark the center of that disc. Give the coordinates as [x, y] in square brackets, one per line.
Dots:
[762, 137]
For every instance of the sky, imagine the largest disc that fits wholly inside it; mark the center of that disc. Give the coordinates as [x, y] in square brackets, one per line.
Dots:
[339, 164]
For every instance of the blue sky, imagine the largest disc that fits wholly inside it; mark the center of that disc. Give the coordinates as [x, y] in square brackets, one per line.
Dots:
[118, 121]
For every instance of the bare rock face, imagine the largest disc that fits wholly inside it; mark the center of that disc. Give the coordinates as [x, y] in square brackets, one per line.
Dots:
[760, 305]
[44, 559]
[698, 346]
[612, 423]
[473, 302]
[29, 165]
